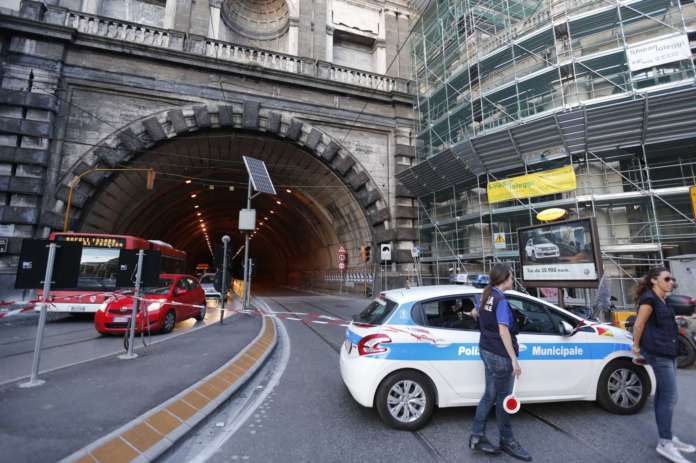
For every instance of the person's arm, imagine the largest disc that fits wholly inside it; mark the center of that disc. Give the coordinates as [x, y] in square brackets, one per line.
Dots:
[507, 342]
[644, 312]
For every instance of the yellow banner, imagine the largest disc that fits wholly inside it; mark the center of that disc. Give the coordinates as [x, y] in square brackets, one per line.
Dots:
[528, 186]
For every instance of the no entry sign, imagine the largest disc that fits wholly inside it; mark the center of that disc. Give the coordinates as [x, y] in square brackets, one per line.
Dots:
[341, 257]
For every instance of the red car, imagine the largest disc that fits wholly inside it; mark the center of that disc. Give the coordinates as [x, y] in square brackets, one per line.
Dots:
[177, 298]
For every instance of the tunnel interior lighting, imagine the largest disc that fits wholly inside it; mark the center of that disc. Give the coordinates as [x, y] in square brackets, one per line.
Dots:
[193, 195]
[265, 218]
[288, 190]
[198, 214]
[196, 206]
[188, 181]
[231, 188]
[272, 212]
[278, 203]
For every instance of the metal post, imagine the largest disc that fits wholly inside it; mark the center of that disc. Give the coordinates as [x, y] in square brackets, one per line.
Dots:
[34, 379]
[136, 302]
[224, 286]
[247, 274]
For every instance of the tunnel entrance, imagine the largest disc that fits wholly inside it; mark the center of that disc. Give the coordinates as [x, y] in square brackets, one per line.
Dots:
[200, 186]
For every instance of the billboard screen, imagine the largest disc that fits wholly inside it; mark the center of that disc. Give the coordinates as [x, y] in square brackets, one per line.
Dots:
[561, 254]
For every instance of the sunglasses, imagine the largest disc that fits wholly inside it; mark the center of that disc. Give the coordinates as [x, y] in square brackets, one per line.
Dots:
[668, 279]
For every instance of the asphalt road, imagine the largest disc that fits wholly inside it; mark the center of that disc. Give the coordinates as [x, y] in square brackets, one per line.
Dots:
[80, 403]
[68, 340]
[297, 409]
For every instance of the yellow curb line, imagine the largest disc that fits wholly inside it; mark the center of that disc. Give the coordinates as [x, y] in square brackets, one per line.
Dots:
[148, 436]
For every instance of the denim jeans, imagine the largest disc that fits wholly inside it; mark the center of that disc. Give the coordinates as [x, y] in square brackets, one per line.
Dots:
[665, 369]
[498, 386]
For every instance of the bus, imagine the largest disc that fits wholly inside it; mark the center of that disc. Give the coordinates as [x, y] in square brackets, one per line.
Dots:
[99, 265]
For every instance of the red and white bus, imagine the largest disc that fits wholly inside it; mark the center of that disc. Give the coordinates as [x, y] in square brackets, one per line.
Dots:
[99, 265]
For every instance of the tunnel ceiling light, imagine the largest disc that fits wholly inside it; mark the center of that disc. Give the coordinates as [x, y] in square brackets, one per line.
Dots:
[231, 188]
[265, 218]
[188, 181]
[272, 212]
[196, 206]
[211, 187]
[198, 214]
[278, 203]
[260, 223]
[288, 190]
[200, 220]
[193, 195]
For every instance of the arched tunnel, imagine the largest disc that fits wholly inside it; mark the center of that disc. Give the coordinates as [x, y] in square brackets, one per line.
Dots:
[200, 186]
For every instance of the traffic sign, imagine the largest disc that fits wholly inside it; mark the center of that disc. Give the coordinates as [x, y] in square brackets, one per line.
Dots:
[499, 239]
[341, 254]
[386, 252]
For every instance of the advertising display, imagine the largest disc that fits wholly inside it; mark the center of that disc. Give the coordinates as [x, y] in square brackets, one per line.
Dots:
[659, 51]
[561, 254]
[529, 186]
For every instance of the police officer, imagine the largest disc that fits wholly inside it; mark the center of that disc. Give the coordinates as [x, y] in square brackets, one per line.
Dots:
[655, 337]
[498, 349]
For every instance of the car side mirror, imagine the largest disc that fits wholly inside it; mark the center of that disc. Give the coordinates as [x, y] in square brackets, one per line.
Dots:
[566, 328]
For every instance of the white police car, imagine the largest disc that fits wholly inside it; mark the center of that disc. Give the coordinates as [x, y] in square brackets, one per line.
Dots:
[413, 349]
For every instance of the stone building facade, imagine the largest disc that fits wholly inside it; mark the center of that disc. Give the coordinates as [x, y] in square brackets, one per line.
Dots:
[317, 88]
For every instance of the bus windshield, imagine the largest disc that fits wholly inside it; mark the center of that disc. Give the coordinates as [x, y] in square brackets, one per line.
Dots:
[98, 268]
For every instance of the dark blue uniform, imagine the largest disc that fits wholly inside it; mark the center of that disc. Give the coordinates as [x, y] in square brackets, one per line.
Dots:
[493, 312]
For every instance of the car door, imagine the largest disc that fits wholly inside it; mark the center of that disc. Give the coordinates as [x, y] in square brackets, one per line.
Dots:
[553, 365]
[196, 296]
[181, 297]
[455, 355]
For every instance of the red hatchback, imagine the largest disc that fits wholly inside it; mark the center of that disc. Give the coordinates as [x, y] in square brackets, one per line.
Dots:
[177, 298]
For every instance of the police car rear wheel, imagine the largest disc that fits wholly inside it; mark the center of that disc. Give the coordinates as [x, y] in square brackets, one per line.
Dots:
[623, 387]
[406, 400]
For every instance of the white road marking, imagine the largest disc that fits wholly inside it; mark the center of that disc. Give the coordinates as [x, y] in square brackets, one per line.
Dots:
[234, 426]
[321, 323]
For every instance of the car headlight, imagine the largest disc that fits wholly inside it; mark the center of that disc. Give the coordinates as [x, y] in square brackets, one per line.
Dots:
[154, 307]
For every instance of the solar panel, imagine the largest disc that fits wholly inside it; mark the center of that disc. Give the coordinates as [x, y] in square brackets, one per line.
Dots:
[258, 174]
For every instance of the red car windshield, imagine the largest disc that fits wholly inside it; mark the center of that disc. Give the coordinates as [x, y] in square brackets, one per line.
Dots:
[162, 288]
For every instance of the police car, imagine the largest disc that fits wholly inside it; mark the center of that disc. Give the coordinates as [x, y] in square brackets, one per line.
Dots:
[413, 349]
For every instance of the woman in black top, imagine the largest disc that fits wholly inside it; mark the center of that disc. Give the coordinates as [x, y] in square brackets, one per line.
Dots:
[655, 336]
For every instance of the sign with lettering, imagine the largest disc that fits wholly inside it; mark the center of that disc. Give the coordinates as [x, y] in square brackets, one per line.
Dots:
[94, 241]
[659, 51]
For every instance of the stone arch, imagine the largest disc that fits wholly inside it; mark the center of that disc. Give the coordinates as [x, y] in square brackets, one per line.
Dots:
[126, 144]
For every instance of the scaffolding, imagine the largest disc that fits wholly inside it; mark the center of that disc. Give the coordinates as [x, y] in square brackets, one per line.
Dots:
[511, 87]
[483, 65]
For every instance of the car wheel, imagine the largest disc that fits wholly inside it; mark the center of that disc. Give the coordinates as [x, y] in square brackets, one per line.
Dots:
[623, 387]
[169, 322]
[201, 313]
[406, 400]
[687, 353]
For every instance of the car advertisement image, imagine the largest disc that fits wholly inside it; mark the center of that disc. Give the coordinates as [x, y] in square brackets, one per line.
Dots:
[558, 252]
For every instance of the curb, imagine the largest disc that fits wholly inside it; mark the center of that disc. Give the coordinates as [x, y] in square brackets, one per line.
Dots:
[151, 434]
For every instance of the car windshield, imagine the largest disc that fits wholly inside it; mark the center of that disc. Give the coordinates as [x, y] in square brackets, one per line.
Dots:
[162, 287]
[377, 312]
[207, 280]
[98, 267]
[542, 240]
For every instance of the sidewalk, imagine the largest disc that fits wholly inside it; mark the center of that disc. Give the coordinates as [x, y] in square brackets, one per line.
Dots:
[81, 404]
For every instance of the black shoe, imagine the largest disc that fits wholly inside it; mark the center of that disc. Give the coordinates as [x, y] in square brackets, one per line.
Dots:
[482, 444]
[514, 449]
